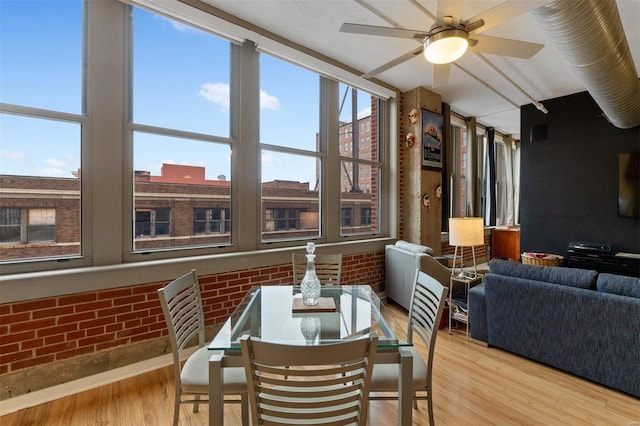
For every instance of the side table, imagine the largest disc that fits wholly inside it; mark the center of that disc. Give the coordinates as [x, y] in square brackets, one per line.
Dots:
[468, 281]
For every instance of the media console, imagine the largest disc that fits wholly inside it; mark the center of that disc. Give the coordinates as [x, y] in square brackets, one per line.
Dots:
[602, 258]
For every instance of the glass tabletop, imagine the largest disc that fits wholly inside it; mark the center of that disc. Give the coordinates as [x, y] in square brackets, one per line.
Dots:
[268, 312]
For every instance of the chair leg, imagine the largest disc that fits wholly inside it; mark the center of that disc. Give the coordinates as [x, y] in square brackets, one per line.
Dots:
[244, 407]
[415, 400]
[196, 404]
[176, 410]
[430, 408]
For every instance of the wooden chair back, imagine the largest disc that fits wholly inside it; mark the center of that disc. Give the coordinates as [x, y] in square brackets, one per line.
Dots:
[328, 268]
[315, 384]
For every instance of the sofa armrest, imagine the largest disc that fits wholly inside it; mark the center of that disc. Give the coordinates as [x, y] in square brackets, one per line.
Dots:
[432, 267]
[477, 313]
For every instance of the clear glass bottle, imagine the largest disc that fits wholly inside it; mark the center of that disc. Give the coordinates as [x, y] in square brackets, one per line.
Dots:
[310, 328]
[310, 286]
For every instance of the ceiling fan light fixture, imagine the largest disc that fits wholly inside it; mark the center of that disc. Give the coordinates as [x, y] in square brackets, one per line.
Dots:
[446, 46]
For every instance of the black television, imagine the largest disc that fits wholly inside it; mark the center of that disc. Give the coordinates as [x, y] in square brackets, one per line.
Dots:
[629, 184]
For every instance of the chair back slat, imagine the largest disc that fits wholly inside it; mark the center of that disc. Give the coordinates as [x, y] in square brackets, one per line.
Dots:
[328, 268]
[318, 384]
[426, 310]
[183, 313]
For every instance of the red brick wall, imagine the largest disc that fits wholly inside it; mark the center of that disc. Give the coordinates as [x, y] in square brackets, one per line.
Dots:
[482, 252]
[37, 332]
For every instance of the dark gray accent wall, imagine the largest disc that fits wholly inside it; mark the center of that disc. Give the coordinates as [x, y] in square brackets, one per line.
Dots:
[569, 177]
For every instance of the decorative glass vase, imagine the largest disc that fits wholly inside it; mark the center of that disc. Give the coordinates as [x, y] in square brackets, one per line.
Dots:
[310, 286]
[310, 328]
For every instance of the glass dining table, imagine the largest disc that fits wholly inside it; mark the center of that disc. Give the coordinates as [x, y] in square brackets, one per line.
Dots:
[275, 313]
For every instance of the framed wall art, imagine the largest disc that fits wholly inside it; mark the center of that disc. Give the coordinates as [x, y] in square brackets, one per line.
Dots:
[432, 140]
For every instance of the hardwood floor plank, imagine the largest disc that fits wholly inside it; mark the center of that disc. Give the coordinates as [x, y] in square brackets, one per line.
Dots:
[473, 385]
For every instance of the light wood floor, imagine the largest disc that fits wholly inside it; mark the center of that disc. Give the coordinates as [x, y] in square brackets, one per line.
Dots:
[473, 385]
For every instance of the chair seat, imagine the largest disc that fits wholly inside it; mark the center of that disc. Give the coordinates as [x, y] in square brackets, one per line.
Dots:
[385, 376]
[195, 374]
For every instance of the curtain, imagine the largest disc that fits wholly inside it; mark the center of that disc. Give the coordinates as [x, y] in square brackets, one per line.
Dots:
[516, 183]
[491, 178]
[509, 166]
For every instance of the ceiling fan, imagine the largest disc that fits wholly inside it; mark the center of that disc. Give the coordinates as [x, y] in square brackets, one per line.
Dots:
[450, 37]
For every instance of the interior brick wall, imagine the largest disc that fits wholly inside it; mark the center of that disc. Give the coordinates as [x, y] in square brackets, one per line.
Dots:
[482, 252]
[41, 331]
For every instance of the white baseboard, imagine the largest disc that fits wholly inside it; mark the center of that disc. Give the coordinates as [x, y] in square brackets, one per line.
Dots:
[52, 393]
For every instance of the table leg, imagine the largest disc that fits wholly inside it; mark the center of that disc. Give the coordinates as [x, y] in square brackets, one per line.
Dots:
[405, 387]
[216, 396]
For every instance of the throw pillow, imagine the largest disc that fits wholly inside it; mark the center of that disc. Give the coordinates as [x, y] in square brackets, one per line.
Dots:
[619, 284]
[573, 277]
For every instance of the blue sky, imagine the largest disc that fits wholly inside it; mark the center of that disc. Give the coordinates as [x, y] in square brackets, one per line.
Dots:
[41, 65]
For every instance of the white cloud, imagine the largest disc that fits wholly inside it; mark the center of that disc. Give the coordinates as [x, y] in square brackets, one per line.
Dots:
[54, 172]
[216, 93]
[364, 113]
[268, 101]
[181, 27]
[12, 155]
[267, 159]
[176, 25]
[54, 163]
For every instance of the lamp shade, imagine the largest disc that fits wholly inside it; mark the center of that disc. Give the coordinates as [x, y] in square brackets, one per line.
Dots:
[466, 231]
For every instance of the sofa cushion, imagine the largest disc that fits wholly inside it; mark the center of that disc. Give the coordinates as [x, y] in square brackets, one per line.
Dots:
[618, 284]
[413, 248]
[573, 277]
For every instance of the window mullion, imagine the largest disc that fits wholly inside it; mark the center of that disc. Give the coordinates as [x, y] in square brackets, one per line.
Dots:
[329, 133]
[103, 201]
[245, 166]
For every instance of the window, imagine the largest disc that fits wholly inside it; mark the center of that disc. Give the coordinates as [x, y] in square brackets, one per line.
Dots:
[41, 128]
[157, 147]
[153, 223]
[345, 216]
[365, 216]
[9, 225]
[291, 154]
[503, 176]
[211, 221]
[360, 168]
[41, 225]
[459, 169]
[38, 50]
[27, 225]
[180, 132]
[280, 219]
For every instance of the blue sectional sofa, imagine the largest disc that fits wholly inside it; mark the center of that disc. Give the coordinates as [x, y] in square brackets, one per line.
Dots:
[577, 320]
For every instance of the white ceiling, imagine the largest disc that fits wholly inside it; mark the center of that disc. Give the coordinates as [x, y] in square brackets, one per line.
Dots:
[315, 24]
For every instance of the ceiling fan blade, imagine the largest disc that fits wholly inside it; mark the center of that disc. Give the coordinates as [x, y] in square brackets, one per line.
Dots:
[382, 31]
[393, 63]
[451, 8]
[504, 46]
[503, 12]
[440, 75]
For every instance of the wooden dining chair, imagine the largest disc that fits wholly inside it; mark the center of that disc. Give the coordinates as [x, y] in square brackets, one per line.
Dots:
[183, 313]
[328, 268]
[317, 384]
[427, 304]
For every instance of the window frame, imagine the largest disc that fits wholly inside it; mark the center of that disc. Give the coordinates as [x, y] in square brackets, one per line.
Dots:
[55, 262]
[107, 142]
[130, 253]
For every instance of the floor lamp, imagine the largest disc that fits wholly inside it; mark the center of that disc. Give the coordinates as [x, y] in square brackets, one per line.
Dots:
[465, 232]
